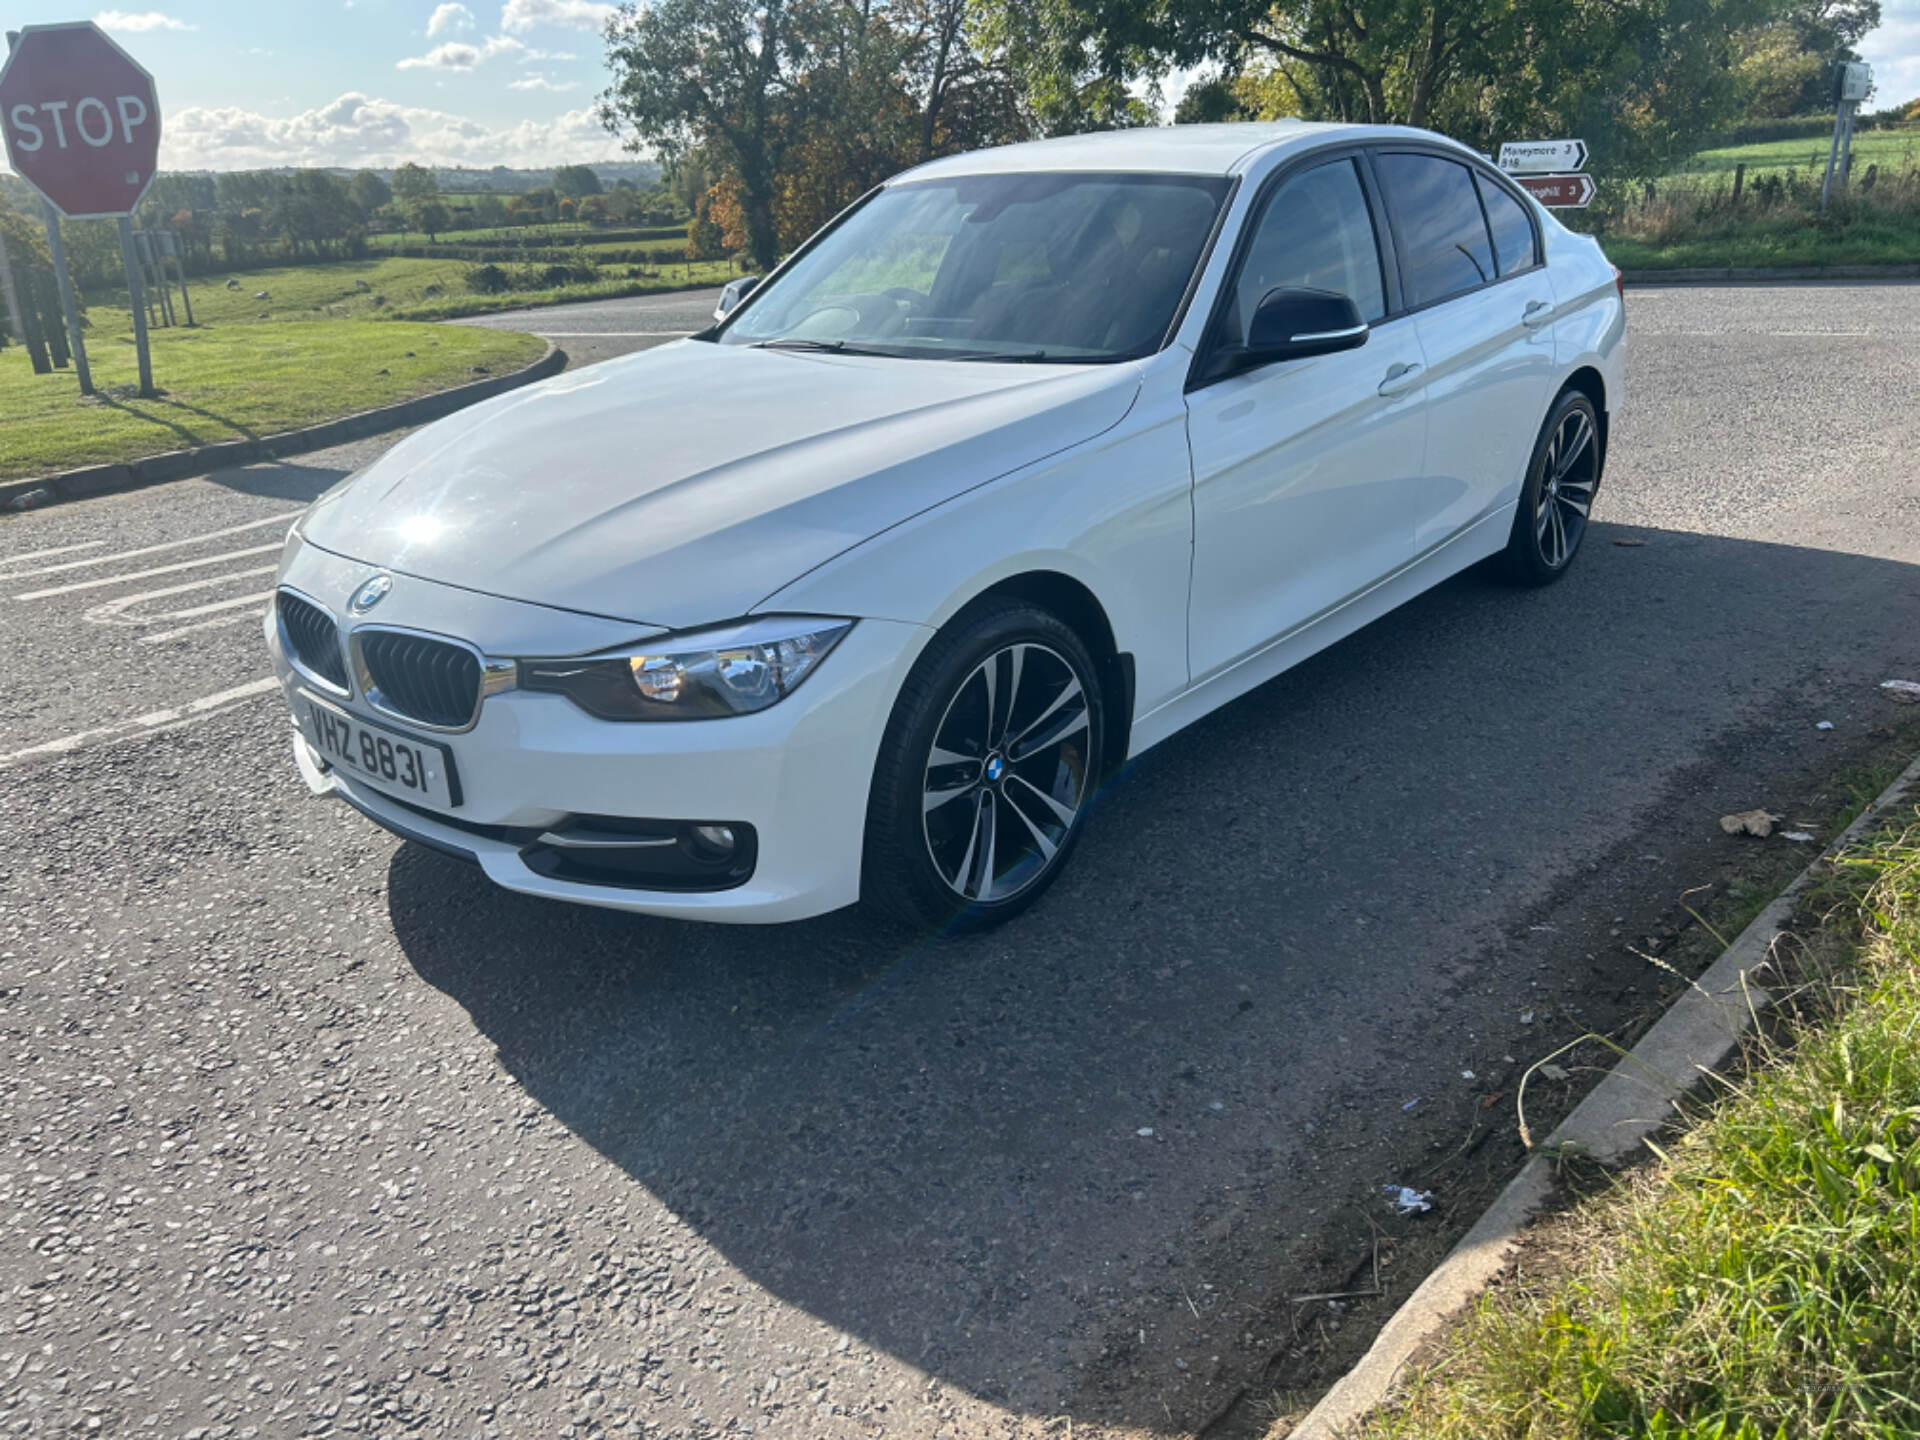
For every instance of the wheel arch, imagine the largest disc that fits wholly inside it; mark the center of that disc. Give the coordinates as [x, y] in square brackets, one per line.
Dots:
[1591, 383]
[1069, 598]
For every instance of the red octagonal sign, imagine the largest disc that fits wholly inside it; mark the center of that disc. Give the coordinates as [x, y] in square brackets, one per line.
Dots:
[81, 119]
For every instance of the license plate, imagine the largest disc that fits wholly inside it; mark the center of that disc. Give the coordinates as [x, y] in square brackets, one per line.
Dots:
[385, 758]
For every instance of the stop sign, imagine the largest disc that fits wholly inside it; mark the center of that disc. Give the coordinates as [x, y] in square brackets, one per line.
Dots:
[81, 120]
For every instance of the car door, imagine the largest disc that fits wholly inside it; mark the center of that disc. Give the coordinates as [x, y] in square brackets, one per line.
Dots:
[1470, 268]
[1304, 469]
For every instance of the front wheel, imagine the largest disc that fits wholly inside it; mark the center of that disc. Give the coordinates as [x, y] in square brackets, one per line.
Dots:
[984, 775]
[1562, 480]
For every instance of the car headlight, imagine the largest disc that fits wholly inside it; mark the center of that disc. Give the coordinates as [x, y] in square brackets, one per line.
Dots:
[701, 675]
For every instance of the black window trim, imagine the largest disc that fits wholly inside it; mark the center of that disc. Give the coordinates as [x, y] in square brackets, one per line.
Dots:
[1476, 166]
[1387, 244]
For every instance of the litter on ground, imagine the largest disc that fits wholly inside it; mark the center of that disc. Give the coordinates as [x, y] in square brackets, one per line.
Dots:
[1408, 1202]
[1749, 822]
[1907, 692]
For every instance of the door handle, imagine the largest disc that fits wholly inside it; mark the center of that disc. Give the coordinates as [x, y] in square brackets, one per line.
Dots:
[1538, 313]
[1400, 376]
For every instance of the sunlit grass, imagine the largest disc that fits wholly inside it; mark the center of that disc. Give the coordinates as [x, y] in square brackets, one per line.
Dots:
[1763, 1280]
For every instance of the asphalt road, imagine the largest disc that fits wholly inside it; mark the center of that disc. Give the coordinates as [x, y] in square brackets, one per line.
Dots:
[602, 329]
[306, 1130]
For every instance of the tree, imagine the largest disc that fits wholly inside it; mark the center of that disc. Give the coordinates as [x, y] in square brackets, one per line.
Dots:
[576, 181]
[712, 76]
[705, 240]
[414, 184]
[1642, 80]
[431, 216]
[489, 212]
[369, 192]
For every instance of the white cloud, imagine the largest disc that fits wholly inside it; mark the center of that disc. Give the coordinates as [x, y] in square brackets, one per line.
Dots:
[1894, 52]
[454, 55]
[523, 15]
[537, 81]
[459, 55]
[128, 23]
[448, 18]
[357, 130]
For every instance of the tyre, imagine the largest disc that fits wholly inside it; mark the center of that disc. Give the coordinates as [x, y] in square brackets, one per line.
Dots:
[988, 764]
[1562, 479]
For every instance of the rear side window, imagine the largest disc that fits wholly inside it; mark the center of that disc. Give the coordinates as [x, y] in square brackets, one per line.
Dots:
[1316, 231]
[1512, 231]
[1443, 236]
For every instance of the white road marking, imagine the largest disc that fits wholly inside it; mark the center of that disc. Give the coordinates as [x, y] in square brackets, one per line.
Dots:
[177, 565]
[47, 554]
[111, 611]
[284, 517]
[153, 720]
[166, 635]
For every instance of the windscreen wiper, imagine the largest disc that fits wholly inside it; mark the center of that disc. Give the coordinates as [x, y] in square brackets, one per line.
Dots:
[823, 347]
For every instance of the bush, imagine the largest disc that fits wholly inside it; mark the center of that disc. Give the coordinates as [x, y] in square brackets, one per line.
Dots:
[487, 280]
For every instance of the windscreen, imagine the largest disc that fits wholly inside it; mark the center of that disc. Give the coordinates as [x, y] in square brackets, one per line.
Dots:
[996, 267]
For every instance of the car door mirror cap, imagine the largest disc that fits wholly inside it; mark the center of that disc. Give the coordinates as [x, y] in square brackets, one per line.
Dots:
[1294, 322]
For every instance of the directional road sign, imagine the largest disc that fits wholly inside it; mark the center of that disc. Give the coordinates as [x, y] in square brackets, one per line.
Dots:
[1543, 157]
[1558, 192]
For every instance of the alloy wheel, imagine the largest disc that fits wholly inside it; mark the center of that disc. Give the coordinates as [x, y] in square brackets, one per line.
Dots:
[1570, 470]
[1008, 773]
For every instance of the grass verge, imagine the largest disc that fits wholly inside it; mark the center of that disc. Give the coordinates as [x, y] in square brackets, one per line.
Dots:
[233, 381]
[1762, 1280]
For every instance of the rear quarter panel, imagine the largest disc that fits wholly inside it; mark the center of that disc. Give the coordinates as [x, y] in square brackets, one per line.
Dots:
[1590, 326]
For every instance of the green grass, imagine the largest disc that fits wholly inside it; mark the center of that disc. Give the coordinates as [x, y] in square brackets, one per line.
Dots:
[1775, 240]
[1889, 149]
[1761, 1281]
[231, 378]
[458, 302]
[312, 292]
[389, 239]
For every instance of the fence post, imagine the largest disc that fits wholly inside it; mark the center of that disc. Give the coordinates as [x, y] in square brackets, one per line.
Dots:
[1739, 182]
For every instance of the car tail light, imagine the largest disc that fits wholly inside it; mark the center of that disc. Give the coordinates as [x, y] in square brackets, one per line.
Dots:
[1620, 284]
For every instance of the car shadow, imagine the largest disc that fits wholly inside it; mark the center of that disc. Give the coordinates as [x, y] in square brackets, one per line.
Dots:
[1001, 1158]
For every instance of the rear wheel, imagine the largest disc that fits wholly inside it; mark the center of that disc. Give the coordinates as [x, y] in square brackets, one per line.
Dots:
[989, 760]
[1551, 519]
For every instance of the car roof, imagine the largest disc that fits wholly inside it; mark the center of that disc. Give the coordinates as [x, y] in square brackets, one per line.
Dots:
[1167, 149]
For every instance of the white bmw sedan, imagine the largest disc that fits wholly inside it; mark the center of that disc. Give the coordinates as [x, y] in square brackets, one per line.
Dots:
[1026, 461]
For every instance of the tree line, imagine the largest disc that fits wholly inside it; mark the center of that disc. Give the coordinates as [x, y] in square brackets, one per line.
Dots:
[772, 115]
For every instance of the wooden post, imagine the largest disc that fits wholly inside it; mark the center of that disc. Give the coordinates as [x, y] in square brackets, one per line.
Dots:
[138, 303]
[180, 267]
[16, 318]
[1739, 182]
[46, 301]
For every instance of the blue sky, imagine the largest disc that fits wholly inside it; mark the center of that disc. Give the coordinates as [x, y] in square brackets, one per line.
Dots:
[365, 82]
[482, 82]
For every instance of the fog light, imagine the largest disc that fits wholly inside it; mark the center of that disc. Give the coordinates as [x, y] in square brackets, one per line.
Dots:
[717, 838]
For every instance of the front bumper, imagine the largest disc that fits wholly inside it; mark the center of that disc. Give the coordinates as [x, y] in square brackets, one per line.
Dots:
[798, 772]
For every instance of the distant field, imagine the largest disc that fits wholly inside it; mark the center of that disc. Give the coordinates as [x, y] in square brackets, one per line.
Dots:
[317, 292]
[1889, 149]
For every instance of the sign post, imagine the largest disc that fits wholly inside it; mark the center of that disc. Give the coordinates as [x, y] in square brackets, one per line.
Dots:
[1853, 82]
[82, 125]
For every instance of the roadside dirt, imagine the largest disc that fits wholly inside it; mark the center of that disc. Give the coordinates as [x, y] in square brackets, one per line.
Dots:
[1603, 956]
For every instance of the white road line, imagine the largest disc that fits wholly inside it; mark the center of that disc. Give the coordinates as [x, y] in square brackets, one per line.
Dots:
[284, 517]
[177, 565]
[166, 635]
[143, 724]
[45, 554]
[109, 612]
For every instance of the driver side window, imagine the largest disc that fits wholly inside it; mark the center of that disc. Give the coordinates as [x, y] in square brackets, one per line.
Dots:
[1318, 232]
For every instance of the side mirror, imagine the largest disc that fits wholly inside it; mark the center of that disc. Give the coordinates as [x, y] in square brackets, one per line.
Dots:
[734, 292]
[1292, 322]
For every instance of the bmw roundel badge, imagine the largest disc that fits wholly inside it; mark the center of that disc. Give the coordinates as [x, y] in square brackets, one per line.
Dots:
[370, 594]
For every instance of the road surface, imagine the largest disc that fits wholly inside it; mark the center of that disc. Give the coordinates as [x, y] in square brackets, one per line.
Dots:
[307, 1130]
